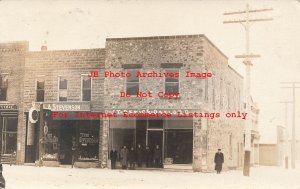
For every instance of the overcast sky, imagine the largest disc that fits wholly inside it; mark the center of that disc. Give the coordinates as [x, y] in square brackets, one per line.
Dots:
[86, 24]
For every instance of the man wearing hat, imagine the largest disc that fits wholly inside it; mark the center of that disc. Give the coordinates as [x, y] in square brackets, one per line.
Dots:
[219, 160]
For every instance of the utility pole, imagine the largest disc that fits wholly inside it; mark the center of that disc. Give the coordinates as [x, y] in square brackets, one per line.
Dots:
[293, 87]
[247, 60]
[286, 159]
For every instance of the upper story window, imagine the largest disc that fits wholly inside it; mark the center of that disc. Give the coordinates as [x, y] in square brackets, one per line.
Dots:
[62, 89]
[228, 98]
[213, 93]
[86, 86]
[3, 87]
[172, 83]
[40, 89]
[206, 87]
[132, 82]
[221, 93]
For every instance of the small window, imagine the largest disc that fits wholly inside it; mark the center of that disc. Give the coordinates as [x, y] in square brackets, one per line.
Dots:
[214, 94]
[172, 83]
[206, 87]
[3, 87]
[63, 89]
[86, 88]
[40, 89]
[221, 93]
[132, 82]
[228, 98]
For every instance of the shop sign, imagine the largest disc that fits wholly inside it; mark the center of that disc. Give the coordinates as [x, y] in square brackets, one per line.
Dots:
[86, 138]
[66, 106]
[8, 107]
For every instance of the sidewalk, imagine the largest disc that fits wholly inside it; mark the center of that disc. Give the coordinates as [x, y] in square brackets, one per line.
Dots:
[30, 177]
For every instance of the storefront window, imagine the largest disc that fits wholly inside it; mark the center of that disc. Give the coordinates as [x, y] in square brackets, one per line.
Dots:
[68, 139]
[9, 135]
[3, 87]
[88, 142]
[122, 133]
[174, 136]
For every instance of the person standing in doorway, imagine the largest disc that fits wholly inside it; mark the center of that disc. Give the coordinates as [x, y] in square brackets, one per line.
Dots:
[157, 157]
[148, 156]
[113, 158]
[219, 160]
[131, 158]
[139, 155]
[124, 156]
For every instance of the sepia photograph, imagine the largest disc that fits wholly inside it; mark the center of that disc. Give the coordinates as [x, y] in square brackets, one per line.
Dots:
[149, 94]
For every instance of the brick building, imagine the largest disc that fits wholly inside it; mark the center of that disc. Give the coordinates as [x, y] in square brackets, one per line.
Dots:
[12, 62]
[185, 141]
[59, 81]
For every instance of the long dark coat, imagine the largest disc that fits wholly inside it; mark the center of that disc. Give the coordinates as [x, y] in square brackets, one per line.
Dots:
[139, 155]
[131, 155]
[113, 155]
[219, 160]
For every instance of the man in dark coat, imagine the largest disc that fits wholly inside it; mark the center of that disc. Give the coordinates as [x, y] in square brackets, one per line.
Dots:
[219, 160]
[139, 155]
[157, 157]
[131, 158]
[113, 158]
[148, 156]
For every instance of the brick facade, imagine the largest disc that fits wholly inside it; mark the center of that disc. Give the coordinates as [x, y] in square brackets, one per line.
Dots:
[196, 53]
[12, 62]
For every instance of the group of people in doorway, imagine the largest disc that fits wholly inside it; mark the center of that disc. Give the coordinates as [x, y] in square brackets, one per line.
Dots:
[140, 156]
[152, 158]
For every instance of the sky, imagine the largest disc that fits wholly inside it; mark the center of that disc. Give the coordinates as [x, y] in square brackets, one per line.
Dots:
[86, 24]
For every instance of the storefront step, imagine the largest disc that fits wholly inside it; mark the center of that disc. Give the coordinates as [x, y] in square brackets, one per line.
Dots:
[79, 164]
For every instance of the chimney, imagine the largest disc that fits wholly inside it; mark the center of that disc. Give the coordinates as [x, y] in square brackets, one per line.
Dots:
[43, 47]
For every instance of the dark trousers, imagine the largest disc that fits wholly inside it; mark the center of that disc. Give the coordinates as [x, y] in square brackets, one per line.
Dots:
[113, 164]
[157, 162]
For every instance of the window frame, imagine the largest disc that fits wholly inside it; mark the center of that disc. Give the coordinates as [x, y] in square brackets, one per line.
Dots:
[3, 75]
[91, 87]
[128, 70]
[164, 80]
[36, 89]
[59, 77]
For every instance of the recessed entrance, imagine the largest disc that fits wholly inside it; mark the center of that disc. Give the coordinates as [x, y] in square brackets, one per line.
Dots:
[174, 137]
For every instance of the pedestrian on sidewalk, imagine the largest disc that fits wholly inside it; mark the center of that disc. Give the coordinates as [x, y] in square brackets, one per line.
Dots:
[124, 156]
[219, 160]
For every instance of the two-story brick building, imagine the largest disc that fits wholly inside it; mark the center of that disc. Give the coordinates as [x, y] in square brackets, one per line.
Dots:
[59, 80]
[185, 141]
[12, 62]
